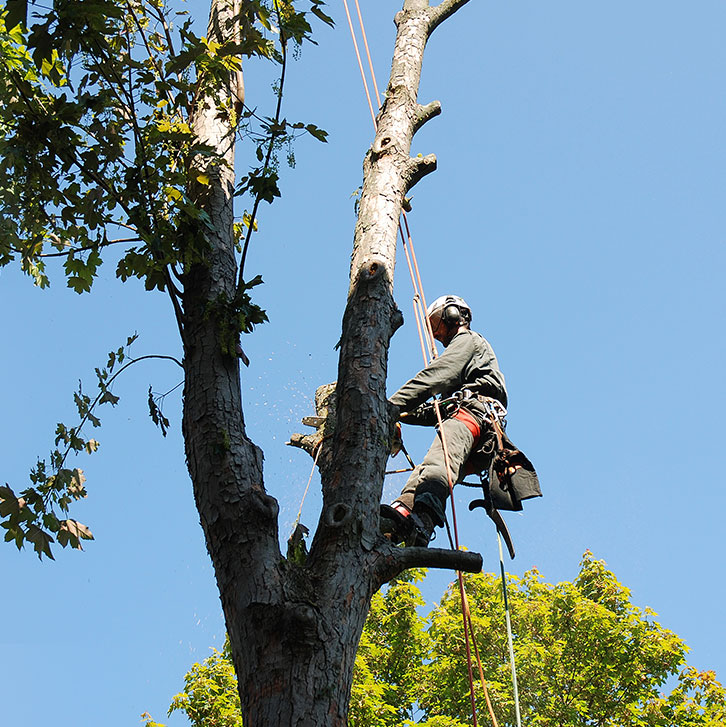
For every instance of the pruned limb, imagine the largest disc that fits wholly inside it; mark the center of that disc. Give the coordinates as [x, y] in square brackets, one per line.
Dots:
[323, 422]
[395, 560]
[417, 168]
[443, 11]
[426, 113]
[463, 560]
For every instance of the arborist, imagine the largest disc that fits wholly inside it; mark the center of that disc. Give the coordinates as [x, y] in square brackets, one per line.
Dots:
[471, 390]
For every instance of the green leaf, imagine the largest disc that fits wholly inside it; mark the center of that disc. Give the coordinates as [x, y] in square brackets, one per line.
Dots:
[315, 10]
[108, 398]
[318, 133]
[156, 415]
[41, 541]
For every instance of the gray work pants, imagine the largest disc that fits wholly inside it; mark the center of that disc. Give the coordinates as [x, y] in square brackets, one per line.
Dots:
[428, 484]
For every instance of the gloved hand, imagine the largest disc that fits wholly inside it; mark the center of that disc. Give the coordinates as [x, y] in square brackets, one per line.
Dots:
[422, 415]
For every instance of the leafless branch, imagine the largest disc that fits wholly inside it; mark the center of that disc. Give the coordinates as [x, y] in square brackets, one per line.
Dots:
[417, 168]
[426, 113]
[395, 560]
[443, 11]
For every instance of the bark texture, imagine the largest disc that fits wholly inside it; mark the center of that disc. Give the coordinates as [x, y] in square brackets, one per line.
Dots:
[294, 628]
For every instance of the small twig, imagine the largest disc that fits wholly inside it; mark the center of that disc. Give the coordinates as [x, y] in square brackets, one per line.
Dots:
[107, 385]
[270, 148]
[88, 247]
[173, 388]
[148, 50]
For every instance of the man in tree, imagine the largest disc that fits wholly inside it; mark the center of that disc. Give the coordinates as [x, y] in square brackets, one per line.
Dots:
[144, 140]
[471, 385]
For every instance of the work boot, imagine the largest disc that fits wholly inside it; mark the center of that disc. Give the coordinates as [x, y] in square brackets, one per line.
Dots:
[422, 532]
[396, 523]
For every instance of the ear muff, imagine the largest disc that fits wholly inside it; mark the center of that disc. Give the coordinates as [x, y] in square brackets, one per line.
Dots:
[451, 314]
[449, 310]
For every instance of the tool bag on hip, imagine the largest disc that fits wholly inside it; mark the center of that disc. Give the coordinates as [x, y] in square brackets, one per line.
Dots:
[509, 475]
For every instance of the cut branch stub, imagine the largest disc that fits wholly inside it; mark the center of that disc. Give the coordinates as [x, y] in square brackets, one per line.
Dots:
[394, 560]
[417, 168]
[426, 113]
[323, 422]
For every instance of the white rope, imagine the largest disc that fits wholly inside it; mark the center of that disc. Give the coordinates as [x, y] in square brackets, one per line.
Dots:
[509, 632]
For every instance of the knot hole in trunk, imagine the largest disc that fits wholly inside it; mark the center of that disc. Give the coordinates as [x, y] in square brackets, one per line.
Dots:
[338, 515]
[381, 145]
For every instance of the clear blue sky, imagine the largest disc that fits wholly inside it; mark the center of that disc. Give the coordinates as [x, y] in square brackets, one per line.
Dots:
[578, 207]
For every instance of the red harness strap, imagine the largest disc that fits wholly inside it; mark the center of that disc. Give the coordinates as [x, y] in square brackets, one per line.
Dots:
[471, 423]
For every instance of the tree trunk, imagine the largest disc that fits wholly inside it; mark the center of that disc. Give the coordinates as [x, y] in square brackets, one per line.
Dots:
[294, 629]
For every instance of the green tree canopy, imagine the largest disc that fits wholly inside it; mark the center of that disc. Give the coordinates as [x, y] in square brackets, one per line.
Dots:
[99, 161]
[585, 656]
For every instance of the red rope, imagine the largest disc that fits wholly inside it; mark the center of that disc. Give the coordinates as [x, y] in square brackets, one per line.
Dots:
[360, 63]
[368, 52]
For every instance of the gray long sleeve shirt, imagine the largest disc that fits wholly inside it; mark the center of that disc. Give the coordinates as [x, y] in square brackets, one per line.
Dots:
[468, 362]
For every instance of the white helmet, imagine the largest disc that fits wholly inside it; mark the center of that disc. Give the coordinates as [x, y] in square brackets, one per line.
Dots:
[448, 309]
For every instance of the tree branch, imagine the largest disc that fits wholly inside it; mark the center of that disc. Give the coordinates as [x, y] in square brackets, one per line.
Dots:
[443, 11]
[149, 52]
[73, 250]
[417, 168]
[426, 113]
[113, 378]
[270, 148]
[162, 19]
[395, 560]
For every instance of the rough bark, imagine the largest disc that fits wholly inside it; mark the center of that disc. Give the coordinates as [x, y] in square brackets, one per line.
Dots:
[294, 629]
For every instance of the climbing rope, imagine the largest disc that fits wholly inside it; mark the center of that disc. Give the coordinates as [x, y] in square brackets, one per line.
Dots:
[307, 487]
[360, 63]
[510, 641]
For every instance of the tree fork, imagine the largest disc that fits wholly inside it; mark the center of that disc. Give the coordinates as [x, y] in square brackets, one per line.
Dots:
[294, 628]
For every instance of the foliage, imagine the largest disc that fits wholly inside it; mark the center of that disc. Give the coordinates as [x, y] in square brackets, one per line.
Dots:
[394, 639]
[210, 696]
[98, 149]
[585, 656]
[96, 132]
[699, 700]
[36, 516]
